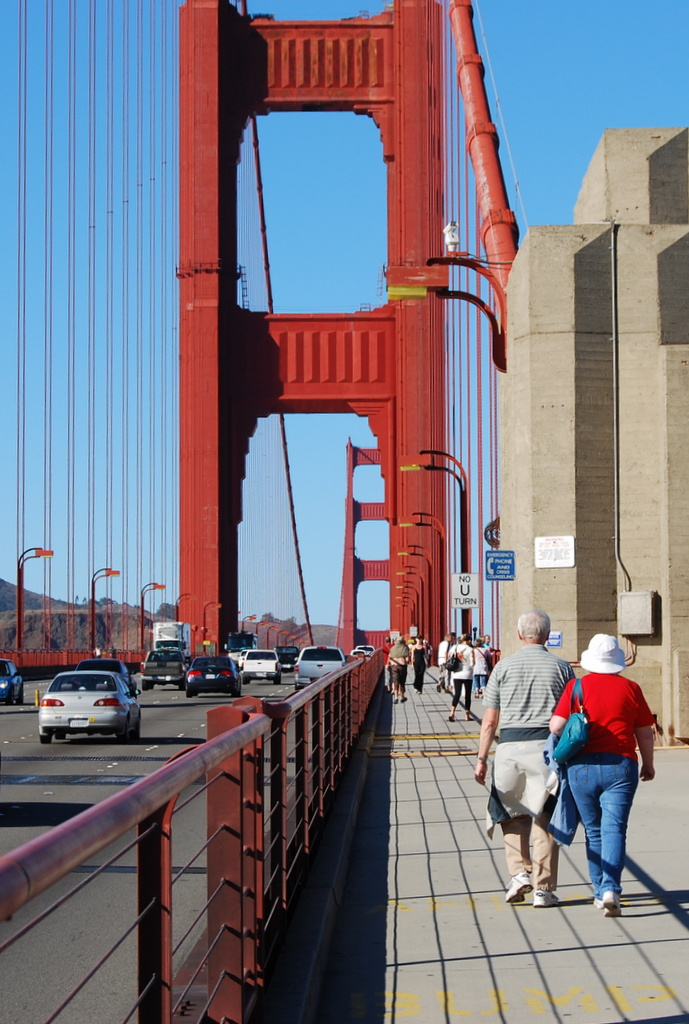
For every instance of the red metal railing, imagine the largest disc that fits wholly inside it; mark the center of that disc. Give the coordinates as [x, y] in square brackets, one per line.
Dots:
[269, 773]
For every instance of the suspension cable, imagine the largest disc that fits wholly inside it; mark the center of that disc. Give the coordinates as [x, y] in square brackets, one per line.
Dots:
[283, 434]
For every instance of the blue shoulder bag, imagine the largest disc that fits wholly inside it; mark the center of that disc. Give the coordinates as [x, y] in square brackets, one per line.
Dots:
[575, 734]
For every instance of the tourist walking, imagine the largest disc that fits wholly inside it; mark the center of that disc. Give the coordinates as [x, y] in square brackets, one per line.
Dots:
[481, 667]
[604, 775]
[520, 695]
[443, 648]
[419, 663]
[398, 660]
[463, 676]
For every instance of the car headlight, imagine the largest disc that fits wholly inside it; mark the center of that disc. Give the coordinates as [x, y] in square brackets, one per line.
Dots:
[4, 683]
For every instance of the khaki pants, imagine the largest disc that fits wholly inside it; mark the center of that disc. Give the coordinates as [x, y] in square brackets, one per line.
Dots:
[543, 861]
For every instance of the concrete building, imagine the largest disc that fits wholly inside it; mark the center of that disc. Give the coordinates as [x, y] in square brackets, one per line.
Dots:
[595, 417]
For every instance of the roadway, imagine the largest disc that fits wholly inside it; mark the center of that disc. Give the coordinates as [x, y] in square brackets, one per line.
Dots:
[40, 786]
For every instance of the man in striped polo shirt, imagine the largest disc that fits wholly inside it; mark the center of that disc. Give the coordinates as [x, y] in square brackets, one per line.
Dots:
[521, 693]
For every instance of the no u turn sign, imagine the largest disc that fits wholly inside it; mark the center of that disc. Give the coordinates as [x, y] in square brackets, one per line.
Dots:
[464, 589]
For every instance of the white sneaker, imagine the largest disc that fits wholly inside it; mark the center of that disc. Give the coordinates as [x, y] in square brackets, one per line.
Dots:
[545, 898]
[611, 904]
[519, 885]
[598, 904]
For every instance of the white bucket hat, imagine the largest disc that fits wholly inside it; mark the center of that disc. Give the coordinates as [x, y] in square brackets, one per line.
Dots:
[603, 654]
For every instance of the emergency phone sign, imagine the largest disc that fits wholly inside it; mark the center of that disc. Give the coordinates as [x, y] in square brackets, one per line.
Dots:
[465, 589]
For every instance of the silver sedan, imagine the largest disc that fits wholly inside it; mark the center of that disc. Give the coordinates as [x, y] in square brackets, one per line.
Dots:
[87, 703]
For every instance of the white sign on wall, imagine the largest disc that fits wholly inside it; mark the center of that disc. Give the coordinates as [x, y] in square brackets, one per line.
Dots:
[464, 589]
[554, 552]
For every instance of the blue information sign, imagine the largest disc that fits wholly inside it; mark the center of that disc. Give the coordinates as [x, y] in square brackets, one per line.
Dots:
[501, 565]
[555, 639]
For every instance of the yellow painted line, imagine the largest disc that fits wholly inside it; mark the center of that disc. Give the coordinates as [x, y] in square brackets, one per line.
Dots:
[426, 736]
[423, 753]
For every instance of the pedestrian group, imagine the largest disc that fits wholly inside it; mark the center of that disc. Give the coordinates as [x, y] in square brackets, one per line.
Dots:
[537, 796]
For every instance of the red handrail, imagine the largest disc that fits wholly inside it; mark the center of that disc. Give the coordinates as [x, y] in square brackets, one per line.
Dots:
[268, 773]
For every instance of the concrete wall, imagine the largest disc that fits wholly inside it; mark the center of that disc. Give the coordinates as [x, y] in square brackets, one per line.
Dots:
[560, 449]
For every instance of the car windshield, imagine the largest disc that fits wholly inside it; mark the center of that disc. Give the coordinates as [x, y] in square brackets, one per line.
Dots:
[164, 656]
[224, 663]
[321, 654]
[260, 656]
[77, 681]
[4, 668]
[287, 650]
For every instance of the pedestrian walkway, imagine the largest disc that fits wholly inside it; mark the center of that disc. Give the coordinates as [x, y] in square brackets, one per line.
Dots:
[422, 930]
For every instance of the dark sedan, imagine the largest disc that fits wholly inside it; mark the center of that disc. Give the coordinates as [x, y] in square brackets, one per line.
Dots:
[213, 675]
[105, 665]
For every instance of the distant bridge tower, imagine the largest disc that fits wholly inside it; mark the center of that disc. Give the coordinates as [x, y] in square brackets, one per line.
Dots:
[388, 364]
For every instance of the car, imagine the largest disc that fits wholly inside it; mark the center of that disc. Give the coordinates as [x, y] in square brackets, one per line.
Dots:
[87, 703]
[163, 667]
[213, 675]
[363, 649]
[261, 665]
[240, 656]
[11, 683]
[287, 657]
[314, 662]
[104, 665]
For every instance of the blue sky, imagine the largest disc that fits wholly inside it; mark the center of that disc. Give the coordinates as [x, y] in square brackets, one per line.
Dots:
[564, 72]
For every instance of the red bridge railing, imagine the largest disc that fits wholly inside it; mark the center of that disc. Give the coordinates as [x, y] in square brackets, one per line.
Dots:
[243, 811]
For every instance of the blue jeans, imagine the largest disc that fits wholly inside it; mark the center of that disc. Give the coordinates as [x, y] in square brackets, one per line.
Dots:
[603, 787]
[479, 683]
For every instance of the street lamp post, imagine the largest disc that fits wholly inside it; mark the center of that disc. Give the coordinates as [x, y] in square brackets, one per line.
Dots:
[24, 557]
[182, 597]
[207, 605]
[144, 591]
[425, 579]
[464, 510]
[98, 575]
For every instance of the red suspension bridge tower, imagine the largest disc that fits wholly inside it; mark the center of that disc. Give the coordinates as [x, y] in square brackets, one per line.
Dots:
[387, 364]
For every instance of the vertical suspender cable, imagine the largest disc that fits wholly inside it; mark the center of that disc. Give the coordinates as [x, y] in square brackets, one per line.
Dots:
[164, 322]
[108, 469]
[71, 313]
[92, 398]
[125, 374]
[154, 496]
[139, 296]
[21, 278]
[49, 114]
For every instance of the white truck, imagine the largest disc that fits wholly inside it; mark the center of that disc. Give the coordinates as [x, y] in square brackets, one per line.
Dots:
[172, 636]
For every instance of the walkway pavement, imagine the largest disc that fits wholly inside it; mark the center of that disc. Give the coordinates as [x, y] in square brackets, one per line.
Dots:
[405, 916]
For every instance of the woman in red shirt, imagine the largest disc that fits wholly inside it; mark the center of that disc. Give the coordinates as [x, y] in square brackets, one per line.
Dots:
[603, 777]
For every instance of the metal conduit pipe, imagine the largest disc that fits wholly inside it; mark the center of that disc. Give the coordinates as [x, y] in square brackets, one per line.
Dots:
[614, 228]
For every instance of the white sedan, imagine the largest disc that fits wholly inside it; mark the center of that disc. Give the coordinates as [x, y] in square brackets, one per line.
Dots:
[86, 703]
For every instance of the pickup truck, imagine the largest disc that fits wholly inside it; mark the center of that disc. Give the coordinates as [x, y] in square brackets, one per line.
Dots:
[163, 667]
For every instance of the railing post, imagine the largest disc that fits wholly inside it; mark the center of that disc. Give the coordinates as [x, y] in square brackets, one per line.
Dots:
[302, 766]
[278, 818]
[224, 875]
[318, 748]
[154, 889]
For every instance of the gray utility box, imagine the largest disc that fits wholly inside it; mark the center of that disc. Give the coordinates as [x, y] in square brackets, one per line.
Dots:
[636, 612]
